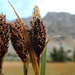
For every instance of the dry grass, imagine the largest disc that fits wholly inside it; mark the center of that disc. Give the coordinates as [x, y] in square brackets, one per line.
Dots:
[61, 68]
[15, 68]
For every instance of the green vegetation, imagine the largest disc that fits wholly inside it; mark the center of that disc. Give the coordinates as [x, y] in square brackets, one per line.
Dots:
[58, 55]
[74, 55]
[53, 55]
[43, 63]
[61, 55]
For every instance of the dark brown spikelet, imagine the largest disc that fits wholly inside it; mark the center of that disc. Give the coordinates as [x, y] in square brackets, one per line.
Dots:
[4, 35]
[18, 41]
[38, 32]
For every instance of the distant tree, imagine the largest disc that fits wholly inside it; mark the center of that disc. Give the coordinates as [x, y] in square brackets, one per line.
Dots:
[61, 56]
[58, 55]
[74, 55]
[54, 55]
[69, 58]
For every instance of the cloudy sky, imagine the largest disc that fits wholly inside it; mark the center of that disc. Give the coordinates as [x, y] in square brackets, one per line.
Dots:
[25, 7]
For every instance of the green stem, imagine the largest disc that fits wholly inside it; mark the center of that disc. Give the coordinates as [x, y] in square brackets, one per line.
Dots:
[43, 63]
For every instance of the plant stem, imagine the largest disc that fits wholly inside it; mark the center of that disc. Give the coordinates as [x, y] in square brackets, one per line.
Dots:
[1, 64]
[43, 63]
[25, 65]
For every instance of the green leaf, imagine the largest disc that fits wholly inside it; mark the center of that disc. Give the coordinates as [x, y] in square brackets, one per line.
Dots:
[43, 63]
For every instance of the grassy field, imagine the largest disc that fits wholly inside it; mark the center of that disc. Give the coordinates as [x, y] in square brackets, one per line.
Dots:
[16, 68]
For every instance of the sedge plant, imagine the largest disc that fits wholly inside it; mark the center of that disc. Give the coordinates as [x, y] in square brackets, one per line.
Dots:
[30, 41]
[38, 38]
[23, 39]
[27, 42]
[43, 63]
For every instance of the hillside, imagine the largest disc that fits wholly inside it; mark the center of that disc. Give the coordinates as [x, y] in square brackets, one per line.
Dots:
[60, 23]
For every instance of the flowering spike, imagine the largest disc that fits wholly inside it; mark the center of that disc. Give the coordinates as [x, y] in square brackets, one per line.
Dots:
[38, 32]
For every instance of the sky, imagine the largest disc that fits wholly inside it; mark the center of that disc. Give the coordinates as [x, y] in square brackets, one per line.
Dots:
[25, 7]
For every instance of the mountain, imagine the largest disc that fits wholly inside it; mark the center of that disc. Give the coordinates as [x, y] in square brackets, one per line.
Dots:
[60, 23]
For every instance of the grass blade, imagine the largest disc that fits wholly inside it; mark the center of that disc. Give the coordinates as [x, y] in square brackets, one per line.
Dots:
[43, 63]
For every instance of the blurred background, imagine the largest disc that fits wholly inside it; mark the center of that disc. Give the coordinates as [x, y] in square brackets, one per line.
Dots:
[59, 18]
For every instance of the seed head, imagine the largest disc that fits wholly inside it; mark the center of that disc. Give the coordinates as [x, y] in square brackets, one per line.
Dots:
[38, 32]
[4, 35]
[18, 41]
